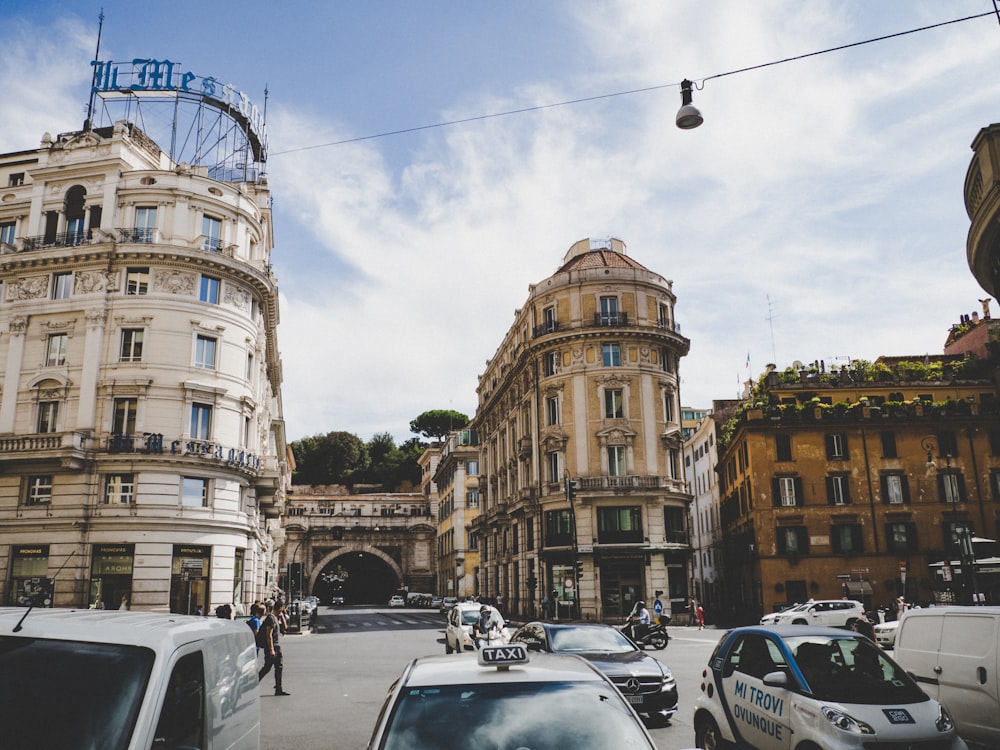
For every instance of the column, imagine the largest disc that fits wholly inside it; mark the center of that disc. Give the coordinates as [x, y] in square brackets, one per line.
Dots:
[12, 373]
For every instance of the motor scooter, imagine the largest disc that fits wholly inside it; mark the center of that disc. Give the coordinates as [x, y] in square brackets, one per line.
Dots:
[655, 634]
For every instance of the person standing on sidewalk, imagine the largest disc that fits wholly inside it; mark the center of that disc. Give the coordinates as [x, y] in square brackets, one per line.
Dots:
[270, 635]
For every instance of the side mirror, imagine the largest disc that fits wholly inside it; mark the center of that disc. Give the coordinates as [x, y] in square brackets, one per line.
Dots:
[776, 679]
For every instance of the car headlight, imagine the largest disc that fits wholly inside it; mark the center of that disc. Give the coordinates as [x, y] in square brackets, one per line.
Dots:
[845, 721]
[944, 721]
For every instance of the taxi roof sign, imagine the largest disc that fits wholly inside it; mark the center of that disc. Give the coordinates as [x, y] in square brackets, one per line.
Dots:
[502, 657]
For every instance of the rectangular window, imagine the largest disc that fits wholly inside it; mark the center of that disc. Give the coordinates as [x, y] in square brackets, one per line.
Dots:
[895, 490]
[131, 348]
[472, 468]
[947, 443]
[951, 487]
[7, 229]
[249, 366]
[846, 538]
[619, 525]
[209, 290]
[124, 417]
[674, 525]
[38, 490]
[55, 349]
[901, 537]
[552, 410]
[558, 528]
[793, 540]
[62, 285]
[668, 406]
[995, 483]
[783, 447]
[119, 489]
[48, 416]
[145, 223]
[837, 490]
[550, 363]
[609, 311]
[137, 281]
[611, 355]
[16, 179]
[666, 359]
[472, 499]
[613, 403]
[555, 475]
[201, 421]
[788, 497]
[616, 461]
[551, 325]
[211, 228]
[836, 446]
[889, 445]
[204, 353]
[194, 492]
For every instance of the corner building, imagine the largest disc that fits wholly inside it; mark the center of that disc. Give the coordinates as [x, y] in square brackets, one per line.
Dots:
[585, 388]
[142, 449]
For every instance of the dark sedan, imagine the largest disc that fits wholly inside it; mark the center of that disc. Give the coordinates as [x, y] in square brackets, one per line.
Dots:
[646, 683]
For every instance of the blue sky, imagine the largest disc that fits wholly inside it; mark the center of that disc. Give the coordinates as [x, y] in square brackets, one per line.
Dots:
[816, 214]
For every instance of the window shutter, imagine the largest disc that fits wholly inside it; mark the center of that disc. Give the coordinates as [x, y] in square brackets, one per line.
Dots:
[830, 498]
[905, 486]
[799, 499]
[829, 446]
[776, 492]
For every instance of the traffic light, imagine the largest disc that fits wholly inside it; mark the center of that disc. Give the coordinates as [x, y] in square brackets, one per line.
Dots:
[571, 488]
[532, 583]
[579, 569]
[295, 577]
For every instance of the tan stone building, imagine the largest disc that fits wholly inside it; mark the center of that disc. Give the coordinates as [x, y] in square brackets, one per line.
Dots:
[859, 482]
[457, 482]
[584, 388]
[142, 447]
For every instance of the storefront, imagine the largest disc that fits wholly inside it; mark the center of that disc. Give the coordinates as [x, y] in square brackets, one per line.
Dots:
[189, 579]
[30, 585]
[111, 576]
[621, 584]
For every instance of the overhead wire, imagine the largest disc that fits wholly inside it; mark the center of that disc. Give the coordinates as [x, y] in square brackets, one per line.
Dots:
[598, 97]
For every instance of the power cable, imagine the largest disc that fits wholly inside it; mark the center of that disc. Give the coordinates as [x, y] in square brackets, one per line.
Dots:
[539, 107]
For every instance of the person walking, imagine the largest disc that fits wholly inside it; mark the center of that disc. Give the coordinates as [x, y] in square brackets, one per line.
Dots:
[701, 615]
[270, 636]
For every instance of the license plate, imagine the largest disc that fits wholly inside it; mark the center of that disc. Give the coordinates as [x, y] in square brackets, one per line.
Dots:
[635, 699]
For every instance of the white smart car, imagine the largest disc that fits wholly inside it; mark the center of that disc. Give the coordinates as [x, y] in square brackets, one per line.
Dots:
[795, 687]
[458, 632]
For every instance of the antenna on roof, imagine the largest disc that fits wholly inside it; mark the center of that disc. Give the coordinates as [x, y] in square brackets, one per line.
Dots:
[93, 81]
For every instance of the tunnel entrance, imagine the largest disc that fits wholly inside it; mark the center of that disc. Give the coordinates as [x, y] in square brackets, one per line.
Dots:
[360, 577]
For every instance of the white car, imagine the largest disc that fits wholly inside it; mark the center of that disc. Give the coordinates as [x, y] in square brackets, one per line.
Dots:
[506, 699]
[458, 632]
[793, 686]
[397, 601]
[772, 617]
[885, 634]
[831, 613]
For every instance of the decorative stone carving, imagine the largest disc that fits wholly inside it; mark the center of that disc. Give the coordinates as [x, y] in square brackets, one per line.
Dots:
[28, 287]
[18, 325]
[175, 282]
[93, 282]
[236, 296]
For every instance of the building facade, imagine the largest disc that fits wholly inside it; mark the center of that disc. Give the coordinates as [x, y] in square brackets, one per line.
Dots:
[142, 450]
[457, 480]
[583, 497]
[859, 482]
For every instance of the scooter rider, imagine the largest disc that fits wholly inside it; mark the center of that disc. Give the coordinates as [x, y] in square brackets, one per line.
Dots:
[481, 628]
[638, 621]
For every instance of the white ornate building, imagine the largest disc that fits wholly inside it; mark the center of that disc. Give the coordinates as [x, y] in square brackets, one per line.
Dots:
[142, 448]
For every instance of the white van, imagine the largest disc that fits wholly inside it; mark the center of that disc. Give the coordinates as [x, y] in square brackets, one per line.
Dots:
[954, 654]
[111, 680]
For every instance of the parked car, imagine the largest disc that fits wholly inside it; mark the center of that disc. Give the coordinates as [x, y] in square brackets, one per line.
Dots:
[117, 679]
[458, 632]
[505, 698]
[885, 634]
[337, 600]
[794, 686]
[772, 617]
[954, 654]
[645, 682]
[397, 601]
[833, 613]
[436, 602]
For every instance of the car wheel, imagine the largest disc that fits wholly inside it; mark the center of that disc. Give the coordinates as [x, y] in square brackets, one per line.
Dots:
[800, 622]
[706, 734]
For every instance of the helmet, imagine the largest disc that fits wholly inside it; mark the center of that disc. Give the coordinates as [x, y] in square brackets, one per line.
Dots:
[484, 609]
[640, 604]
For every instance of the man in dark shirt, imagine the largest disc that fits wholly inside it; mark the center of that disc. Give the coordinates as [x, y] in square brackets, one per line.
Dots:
[270, 634]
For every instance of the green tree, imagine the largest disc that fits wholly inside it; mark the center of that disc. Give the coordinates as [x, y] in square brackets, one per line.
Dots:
[437, 424]
[333, 458]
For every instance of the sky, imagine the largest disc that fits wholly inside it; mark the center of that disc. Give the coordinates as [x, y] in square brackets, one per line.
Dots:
[817, 214]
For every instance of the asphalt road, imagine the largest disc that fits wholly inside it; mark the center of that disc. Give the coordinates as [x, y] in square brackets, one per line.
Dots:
[338, 676]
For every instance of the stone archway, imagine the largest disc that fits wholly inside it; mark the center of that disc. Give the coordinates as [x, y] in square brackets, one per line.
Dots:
[363, 574]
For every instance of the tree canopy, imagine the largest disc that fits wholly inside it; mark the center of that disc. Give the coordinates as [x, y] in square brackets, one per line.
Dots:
[438, 423]
[343, 458]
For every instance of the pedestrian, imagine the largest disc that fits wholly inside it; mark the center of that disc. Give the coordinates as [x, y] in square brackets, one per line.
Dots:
[224, 611]
[701, 616]
[256, 610]
[124, 605]
[270, 640]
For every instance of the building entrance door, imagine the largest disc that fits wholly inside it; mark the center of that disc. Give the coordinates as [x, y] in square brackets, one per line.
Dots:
[621, 585]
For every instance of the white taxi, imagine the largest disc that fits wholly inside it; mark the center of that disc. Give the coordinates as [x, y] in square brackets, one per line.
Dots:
[501, 699]
[791, 687]
[458, 631]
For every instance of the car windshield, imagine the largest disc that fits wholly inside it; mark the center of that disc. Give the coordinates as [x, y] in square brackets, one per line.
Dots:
[69, 694]
[541, 716]
[471, 616]
[852, 670]
[589, 639]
